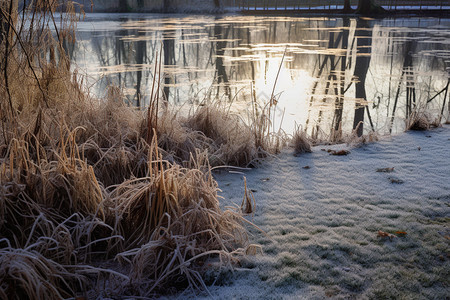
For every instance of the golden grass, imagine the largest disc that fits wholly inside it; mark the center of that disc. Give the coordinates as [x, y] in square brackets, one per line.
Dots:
[80, 185]
[231, 140]
[178, 247]
[173, 214]
[300, 141]
[90, 182]
[54, 199]
[66, 183]
[176, 140]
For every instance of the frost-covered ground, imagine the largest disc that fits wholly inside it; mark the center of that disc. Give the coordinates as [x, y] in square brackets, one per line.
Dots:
[322, 223]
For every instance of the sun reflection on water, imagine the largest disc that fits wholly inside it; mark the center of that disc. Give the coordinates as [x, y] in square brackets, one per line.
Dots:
[320, 70]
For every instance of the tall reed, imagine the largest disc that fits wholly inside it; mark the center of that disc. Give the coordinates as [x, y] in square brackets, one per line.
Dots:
[84, 181]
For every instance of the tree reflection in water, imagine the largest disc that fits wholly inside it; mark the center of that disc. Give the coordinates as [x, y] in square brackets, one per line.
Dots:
[337, 75]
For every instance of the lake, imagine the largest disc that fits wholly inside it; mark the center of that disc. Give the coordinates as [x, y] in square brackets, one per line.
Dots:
[324, 74]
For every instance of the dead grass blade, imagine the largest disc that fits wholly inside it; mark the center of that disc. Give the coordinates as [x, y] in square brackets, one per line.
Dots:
[29, 275]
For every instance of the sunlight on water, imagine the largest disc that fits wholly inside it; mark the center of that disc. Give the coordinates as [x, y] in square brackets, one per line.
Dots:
[291, 85]
[325, 73]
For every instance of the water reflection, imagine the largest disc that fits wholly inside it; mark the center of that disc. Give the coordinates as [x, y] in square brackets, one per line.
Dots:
[336, 74]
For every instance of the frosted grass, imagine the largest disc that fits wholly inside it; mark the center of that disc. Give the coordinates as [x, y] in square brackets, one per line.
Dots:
[322, 222]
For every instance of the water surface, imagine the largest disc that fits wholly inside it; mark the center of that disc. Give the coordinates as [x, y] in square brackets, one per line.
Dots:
[324, 74]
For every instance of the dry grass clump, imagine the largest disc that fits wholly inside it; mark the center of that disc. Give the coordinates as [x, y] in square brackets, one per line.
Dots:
[85, 180]
[226, 137]
[62, 206]
[300, 141]
[267, 140]
[108, 122]
[184, 199]
[176, 255]
[16, 214]
[358, 141]
[178, 141]
[53, 201]
[184, 239]
[26, 274]
[172, 223]
[232, 142]
[66, 183]
[418, 121]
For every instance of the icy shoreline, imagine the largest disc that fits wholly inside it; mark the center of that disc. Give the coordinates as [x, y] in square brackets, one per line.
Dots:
[322, 222]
